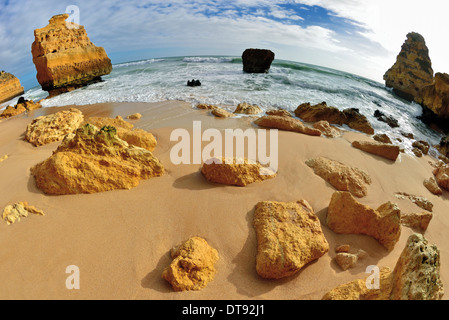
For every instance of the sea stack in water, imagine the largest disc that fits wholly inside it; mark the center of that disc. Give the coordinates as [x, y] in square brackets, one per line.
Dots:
[65, 58]
[257, 60]
[412, 70]
[10, 87]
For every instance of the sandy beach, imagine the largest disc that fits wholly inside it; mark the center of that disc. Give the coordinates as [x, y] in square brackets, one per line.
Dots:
[121, 239]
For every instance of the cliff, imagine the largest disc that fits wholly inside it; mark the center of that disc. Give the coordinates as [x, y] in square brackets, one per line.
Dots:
[65, 58]
[10, 87]
[435, 97]
[412, 70]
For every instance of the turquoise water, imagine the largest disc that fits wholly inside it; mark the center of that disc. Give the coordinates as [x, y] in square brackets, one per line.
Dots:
[287, 85]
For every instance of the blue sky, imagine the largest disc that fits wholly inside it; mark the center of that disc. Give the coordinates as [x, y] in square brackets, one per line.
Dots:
[357, 36]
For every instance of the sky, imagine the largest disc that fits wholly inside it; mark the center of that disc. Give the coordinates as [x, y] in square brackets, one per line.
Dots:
[357, 36]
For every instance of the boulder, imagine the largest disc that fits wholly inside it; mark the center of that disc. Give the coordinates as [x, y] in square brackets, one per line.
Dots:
[383, 138]
[412, 70]
[193, 265]
[126, 131]
[194, 83]
[417, 272]
[54, 127]
[205, 106]
[286, 123]
[432, 186]
[10, 87]
[221, 113]
[350, 117]
[134, 116]
[257, 60]
[347, 216]
[246, 108]
[289, 236]
[19, 108]
[341, 176]
[358, 289]
[392, 122]
[441, 173]
[95, 160]
[434, 98]
[385, 150]
[421, 145]
[15, 212]
[419, 221]
[421, 202]
[279, 112]
[327, 130]
[346, 260]
[65, 58]
[235, 171]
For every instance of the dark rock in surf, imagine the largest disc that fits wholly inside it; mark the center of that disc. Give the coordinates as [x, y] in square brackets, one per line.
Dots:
[194, 83]
[392, 122]
[257, 60]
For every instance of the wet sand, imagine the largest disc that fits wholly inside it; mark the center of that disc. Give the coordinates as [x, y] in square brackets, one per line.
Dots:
[120, 240]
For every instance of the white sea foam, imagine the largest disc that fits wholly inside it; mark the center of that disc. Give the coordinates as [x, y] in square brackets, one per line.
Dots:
[287, 85]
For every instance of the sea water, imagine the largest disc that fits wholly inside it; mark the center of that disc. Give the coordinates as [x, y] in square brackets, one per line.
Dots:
[286, 85]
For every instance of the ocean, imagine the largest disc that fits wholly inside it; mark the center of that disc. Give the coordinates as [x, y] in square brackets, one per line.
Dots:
[287, 85]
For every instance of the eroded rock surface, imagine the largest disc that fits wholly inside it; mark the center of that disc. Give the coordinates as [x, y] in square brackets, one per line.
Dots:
[286, 123]
[16, 211]
[289, 236]
[10, 87]
[385, 150]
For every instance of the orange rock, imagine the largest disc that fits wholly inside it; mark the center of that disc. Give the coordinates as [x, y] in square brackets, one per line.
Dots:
[286, 123]
[351, 117]
[54, 127]
[441, 174]
[15, 212]
[327, 130]
[384, 150]
[419, 220]
[135, 116]
[93, 160]
[279, 112]
[65, 58]
[412, 70]
[193, 265]
[10, 87]
[28, 105]
[432, 186]
[340, 176]
[289, 236]
[246, 108]
[347, 216]
[125, 131]
[235, 172]
[221, 113]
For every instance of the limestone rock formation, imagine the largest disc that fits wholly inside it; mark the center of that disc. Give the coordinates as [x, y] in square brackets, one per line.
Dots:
[126, 131]
[286, 123]
[432, 186]
[421, 202]
[417, 272]
[384, 150]
[434, 98]
[392, 122]
[383, 138]
[94, 160]
[289, 236]
[358, 289]
[350, 117]
[16, 211]
[341, 176]
[246, 108]
[54, 127]
[65, 58]
[348, 260]
[10, 87]
[235, 171]
[412, 70]
[327, 130]
[441, 174]
[134, 116]
[193, 265]
[221, 113]
[279, 112]
[205, 106]
[419, 221]
[347, 216]
[21, 107]
[257, 60]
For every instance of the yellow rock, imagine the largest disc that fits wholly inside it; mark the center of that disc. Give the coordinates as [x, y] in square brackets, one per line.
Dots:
[385, 150]
[246, 108]
[347, 216]
[20, 108]
[235, 171]
[135, 116]
[54, 127]
[3, 158]
[341, 176]
[286, 123]
[10, 87]
[93, 160]
[193, 265]
[65, 58]
[289, 236]
[15, 212]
